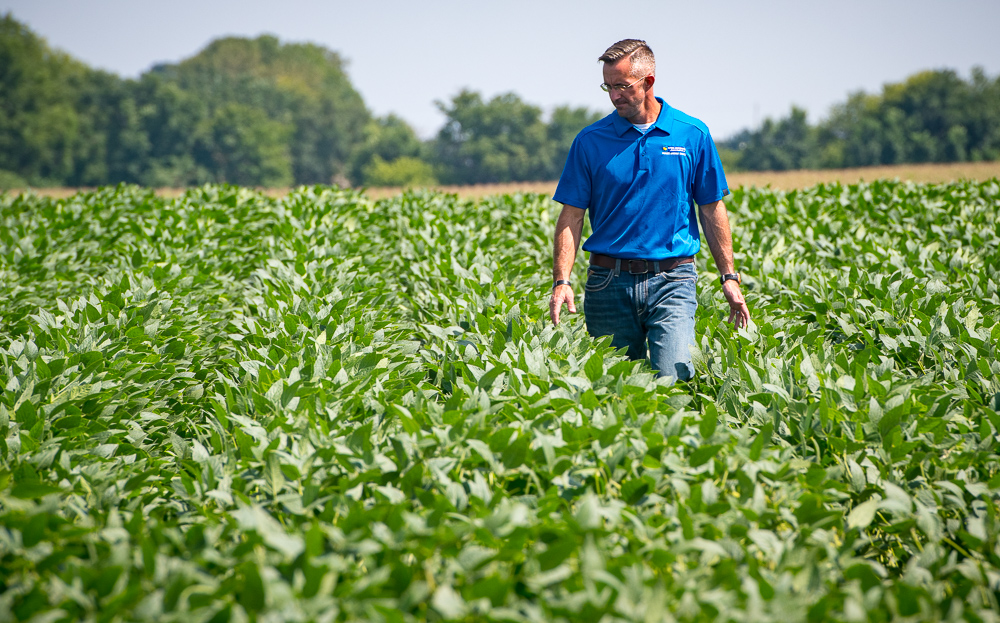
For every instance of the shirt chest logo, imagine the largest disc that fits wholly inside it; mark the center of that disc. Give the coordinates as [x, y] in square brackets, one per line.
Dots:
[673, 151]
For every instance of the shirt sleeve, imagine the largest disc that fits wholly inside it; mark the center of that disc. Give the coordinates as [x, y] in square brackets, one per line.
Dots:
[709, 179]
[574, 183]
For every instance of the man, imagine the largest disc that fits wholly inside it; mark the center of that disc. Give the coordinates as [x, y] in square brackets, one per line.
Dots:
[641, 171]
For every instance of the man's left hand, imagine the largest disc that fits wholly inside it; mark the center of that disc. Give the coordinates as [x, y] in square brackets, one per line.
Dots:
[738, 311]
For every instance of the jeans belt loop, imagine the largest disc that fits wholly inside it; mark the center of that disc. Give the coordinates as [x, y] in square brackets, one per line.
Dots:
[656, 267]
[618, 266]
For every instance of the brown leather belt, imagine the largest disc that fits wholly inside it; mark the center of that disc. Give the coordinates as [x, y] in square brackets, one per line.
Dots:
[639, 267]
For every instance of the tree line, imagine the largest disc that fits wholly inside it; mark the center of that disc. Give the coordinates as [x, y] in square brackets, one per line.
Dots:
[933, 116]
[251, 112]
[259, 112]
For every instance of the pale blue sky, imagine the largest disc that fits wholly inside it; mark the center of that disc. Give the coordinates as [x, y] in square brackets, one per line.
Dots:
[729, 63]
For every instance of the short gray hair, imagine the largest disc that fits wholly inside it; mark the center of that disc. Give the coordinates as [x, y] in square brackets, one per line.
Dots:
[643, 62]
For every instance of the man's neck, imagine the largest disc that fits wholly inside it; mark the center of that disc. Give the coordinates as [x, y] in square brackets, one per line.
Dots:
[649, 113]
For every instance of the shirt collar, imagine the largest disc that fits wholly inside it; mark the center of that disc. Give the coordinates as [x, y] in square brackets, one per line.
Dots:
[665, 120]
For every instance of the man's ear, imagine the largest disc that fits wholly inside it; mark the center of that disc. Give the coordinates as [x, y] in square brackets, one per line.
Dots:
[650, 79]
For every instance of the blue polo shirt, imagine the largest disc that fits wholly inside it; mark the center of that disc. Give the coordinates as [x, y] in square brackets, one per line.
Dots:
[641, 191]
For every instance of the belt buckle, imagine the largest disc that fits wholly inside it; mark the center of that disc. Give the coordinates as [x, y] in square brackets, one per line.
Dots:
[645, 267]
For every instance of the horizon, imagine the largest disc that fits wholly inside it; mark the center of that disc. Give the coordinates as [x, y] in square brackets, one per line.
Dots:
[897, 41]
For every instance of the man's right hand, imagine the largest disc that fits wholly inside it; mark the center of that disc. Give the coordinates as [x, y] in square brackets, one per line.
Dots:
[561, 294]
[569, 227]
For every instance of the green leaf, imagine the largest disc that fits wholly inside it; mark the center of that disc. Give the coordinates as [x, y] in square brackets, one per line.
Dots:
[687, 526]
[274, 474]
[862, 515]
[175, 349]
[114, 298]
[27, 415]
[32, 489]
[763, 437]
[448, 603]
[704, 454]
[515, 453]
[709, 420]
[594, 368]
[314, 541]
[634, 489]
[486, 381]
[865, 574]
[556, 552]
[251, 595]
[137, 481]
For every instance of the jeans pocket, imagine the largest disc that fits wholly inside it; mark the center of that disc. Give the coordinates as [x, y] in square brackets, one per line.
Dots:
[681, 272]
[598, 278]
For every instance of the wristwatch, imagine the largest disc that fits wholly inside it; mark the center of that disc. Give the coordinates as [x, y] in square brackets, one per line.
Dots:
[560, 282]
[730, 277]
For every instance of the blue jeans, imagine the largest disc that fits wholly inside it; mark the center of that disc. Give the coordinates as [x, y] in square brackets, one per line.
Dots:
[654, 307]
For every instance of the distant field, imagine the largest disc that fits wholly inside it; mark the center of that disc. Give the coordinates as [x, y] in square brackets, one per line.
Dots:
[929, 173]
[779, 180]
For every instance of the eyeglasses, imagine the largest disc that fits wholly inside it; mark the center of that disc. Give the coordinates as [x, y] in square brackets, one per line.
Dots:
[619, 87]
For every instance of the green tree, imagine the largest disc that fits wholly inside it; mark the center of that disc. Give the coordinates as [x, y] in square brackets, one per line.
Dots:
[39, 122]
[932, 116]
[241, 145]
[983, 120]
[404, 171]
[287, 111]
[9, 180]
[565, 123]
[502, 140]
[301, 85]
[115, 145]
[934, 105]
[386, 140]
[852, 134]
[781, 145]
[174, 122]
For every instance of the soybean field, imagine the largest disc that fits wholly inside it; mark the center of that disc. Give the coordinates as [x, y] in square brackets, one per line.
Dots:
[225, 406]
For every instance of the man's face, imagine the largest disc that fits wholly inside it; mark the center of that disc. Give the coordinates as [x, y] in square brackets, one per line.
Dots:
[628, 103]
